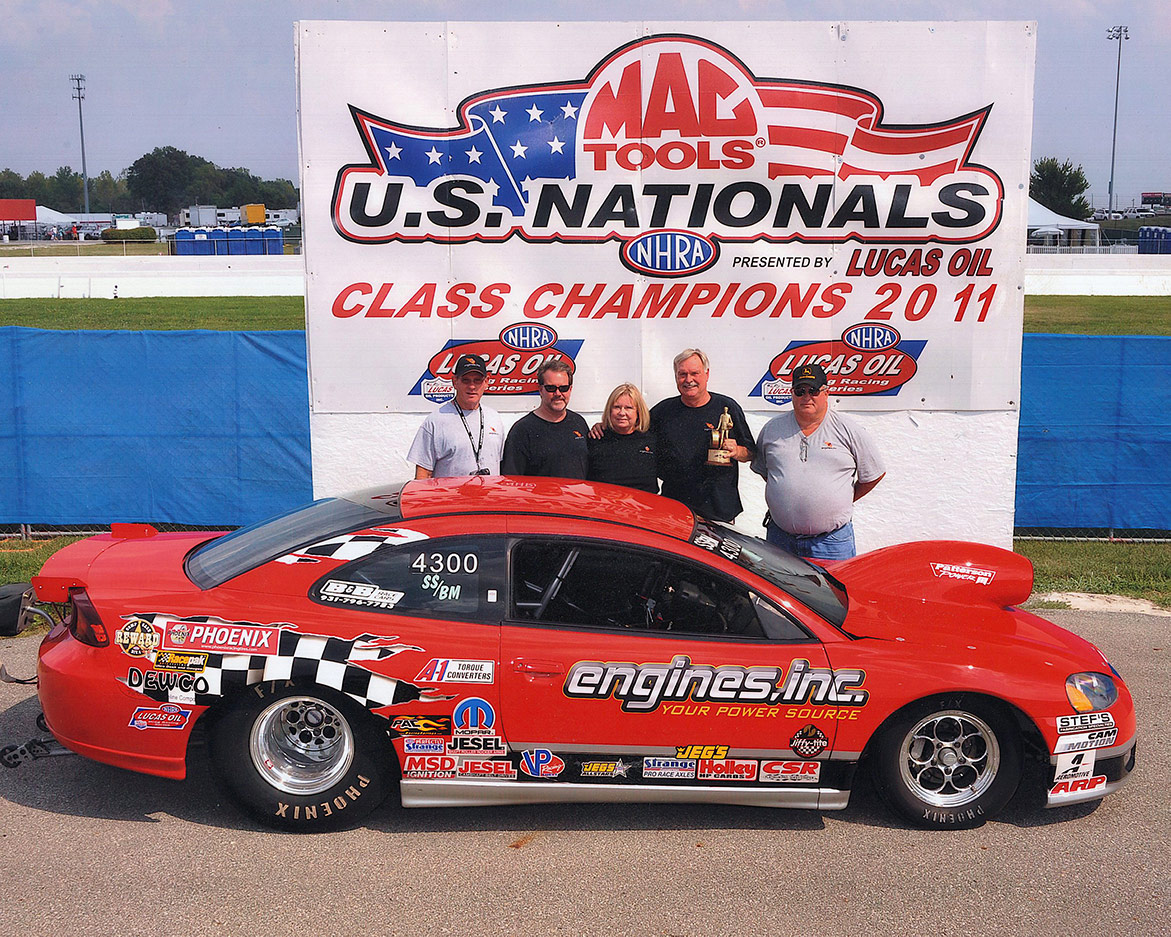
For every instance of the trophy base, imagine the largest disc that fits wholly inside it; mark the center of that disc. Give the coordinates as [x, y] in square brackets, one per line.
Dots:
[719, 457]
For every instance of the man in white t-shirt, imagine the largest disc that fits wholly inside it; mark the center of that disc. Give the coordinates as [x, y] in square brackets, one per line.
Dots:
[464, 436]
[816, 463]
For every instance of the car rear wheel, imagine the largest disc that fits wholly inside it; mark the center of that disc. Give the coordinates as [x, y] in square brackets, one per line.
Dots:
[949, 763]
[303, 759]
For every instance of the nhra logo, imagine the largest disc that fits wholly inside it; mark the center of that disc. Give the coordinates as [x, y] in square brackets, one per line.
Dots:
[669, 146]
[869, 360]
[512, 361]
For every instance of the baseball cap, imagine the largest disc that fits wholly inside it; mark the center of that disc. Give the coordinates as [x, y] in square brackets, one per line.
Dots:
[466, 363]
[811, 375]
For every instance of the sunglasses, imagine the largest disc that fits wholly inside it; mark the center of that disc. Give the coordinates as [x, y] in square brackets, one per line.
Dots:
[805, 392]
[554, 388]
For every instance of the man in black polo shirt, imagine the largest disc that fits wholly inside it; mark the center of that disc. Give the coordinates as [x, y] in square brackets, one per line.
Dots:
[550, 441]
[683, 426]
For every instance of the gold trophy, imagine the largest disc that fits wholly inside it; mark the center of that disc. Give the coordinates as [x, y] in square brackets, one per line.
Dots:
[716, 453]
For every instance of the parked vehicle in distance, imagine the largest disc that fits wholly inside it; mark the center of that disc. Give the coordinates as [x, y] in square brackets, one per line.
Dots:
[499, 640]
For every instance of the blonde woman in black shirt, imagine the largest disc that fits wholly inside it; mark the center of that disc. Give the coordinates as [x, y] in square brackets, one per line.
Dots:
[625, 453]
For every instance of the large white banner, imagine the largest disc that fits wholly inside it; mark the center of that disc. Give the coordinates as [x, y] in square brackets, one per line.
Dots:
[610, 193]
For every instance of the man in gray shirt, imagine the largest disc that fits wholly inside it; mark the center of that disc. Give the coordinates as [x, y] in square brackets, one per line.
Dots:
[464, 436]
[816, 463]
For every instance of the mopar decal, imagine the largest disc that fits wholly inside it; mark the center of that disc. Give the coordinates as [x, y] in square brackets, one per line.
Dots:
[645, 687]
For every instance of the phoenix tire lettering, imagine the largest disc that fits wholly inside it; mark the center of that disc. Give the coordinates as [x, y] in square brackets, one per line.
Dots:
[645, 687]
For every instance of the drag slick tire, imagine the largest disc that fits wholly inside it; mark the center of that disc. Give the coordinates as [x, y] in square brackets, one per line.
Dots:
[301, 758]
[949, 762]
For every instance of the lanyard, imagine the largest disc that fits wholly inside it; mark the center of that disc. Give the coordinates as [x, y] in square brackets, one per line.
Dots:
[476, 450]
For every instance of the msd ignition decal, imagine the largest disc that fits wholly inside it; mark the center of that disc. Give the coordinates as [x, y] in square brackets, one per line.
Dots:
[669, 145]
[870, 360]
[512, 361]
[643, 688]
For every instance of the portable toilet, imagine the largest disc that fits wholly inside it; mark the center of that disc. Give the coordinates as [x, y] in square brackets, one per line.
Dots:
[184, 242]
[219, 240]
[203, 246]
[1163, 239]
[254, 238]
[236, 241]
[274, 240]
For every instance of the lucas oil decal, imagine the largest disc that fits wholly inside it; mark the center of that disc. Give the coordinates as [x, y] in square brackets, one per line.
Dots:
[511, 360]
[870, 359]
[643, 688]
[668, 135]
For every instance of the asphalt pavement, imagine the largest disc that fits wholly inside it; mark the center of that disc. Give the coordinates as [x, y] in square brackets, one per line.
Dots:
[90, 850]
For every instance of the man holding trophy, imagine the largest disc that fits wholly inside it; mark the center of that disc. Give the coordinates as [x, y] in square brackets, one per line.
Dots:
[701, 438]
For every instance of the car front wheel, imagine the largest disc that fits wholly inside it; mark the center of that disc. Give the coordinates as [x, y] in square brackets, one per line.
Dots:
[949, 763]
[303, 759]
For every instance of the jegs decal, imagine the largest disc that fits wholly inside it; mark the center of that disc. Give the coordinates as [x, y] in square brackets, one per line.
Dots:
[643, 688]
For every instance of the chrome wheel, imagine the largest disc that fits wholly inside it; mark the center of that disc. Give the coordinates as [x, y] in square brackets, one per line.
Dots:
[948, 759]
[301, 745]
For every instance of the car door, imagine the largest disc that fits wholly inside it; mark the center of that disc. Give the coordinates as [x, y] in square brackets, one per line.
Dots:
[632, 661]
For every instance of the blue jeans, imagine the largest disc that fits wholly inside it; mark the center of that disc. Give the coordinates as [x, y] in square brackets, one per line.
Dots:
[833, 545]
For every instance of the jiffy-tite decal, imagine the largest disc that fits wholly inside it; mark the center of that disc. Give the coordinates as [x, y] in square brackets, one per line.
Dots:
[238, 654]
[645, 687]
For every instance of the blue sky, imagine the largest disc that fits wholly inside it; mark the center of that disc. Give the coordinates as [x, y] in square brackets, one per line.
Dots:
[215, 78]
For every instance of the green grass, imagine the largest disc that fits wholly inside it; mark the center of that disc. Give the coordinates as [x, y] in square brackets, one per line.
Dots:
[219, 313]
[1139, 570]
[85, 249]
[1099, 315]
[20, 560]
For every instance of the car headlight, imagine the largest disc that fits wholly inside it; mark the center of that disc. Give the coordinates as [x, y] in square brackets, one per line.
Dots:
[1090, 691]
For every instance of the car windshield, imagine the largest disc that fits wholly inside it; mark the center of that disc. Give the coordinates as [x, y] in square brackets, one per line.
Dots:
[808, 583]
[225, 557]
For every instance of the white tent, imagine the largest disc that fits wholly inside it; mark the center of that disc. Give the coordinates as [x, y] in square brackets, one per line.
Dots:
[1050, 226]
[50, 216]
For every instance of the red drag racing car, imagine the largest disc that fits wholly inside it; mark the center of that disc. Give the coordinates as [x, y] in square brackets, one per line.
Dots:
[515, 640]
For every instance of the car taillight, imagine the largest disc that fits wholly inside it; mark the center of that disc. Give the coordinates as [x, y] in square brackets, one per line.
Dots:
[83, 620]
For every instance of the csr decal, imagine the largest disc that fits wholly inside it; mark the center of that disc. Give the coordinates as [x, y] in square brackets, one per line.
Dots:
[870, 359]
[669, 145]
[511, 360]
[644, 688]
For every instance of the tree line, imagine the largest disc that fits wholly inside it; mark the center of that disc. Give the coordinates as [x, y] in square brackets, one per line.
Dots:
[164, 180]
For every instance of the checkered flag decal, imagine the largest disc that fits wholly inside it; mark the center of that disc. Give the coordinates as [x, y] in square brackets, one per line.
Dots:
[348, 547]
[311, 658]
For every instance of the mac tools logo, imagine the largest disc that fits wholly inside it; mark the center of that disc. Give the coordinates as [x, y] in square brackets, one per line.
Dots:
[669, 146]
[869, 360]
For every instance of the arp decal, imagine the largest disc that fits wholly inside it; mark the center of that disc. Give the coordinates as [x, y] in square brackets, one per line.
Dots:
[668, 133]
[166, 716]
[967, 573]
[541, 763]
[790, 772]
[643, 688]
[441, 670]
[1067, 789]
[511, 360]
[871, 359]
[808, 741]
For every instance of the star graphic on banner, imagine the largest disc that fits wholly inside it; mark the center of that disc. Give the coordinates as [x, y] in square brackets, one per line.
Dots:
[492, 188]
[433, 156]
[569, 111]
[497, 114]
[393, 151]
[620, 769]
[556, 146]
[519, 150]
[474, 155]
[534, 113]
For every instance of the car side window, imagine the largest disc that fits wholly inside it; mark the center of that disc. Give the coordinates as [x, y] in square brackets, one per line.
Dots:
[448, 577]
[601, 585]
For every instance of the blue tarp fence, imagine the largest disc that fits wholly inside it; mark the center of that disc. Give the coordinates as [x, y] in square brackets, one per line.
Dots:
[186, 427]
[212, 428]
[1095, 432]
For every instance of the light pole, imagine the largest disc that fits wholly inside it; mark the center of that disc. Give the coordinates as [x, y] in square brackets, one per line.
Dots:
[1119, 33]
[79, 94]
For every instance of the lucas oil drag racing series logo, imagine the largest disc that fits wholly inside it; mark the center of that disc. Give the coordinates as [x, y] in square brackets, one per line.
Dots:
[669, 146]
[869, 360]
[512, 361]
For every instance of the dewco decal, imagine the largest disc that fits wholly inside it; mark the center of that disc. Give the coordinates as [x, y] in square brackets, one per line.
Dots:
[645, 687]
